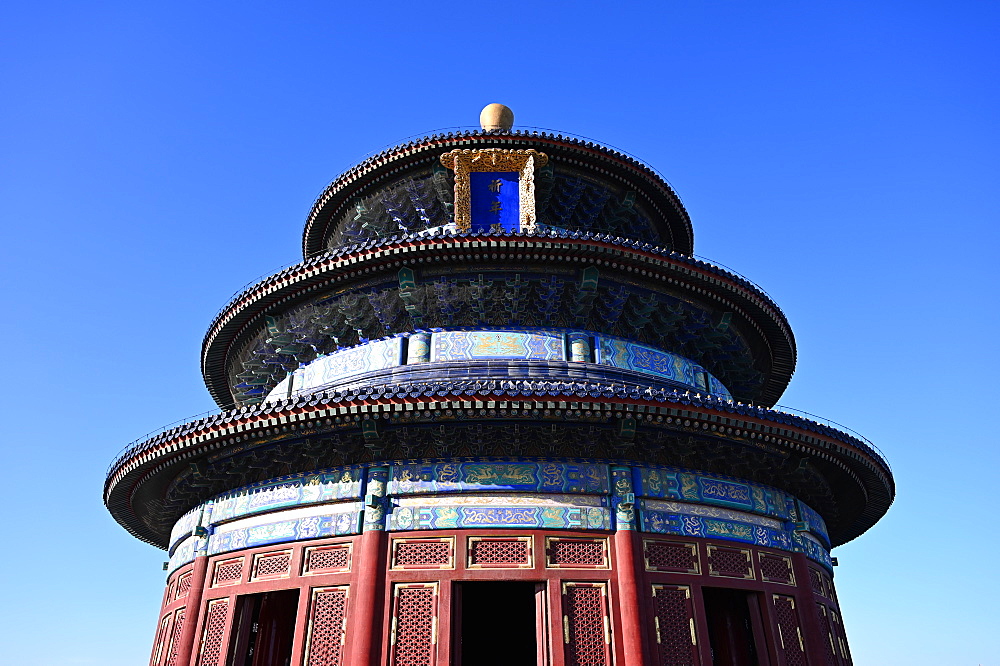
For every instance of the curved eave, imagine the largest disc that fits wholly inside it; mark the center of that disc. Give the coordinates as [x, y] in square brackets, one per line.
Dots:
[303, 280]
[670, 217]
[160, 458]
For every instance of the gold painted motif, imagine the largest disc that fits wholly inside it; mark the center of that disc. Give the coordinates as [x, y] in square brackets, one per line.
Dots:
[465, 161]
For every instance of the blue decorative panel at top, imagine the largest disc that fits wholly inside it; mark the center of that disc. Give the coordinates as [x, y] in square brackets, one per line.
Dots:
[343, 363]
[814, 522]
[578, 512]
[183, 553]
[716, 388]
[474, 345]
[457, 477]
[685, 519]
[495, 198]
[621, 353]
[336, 520]
[285, 493]
[184, 526]
[806, 543]
[675, 484]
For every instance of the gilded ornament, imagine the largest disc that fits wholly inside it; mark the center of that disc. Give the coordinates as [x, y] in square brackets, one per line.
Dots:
[465, 161]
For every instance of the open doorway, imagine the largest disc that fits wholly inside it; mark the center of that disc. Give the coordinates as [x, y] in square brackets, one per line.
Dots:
[734, 627]
[263, 629]
[499, 624]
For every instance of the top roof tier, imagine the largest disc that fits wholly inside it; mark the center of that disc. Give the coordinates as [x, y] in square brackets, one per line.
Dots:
[583, 186]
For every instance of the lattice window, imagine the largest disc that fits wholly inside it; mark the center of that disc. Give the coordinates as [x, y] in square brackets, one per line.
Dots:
[673, 618]
[586, 626]
[829, 639]
[215, 629]
[729, 562]
[816, 582]
[272, 565]
[168, 594]
[576, 553]
[776, 569]
[831, 593]
[672, 556]
[161, 639]
[413, 624]
[789, 631]
[228, 572]
[324, 559]
[183, 585]
[422, 553]
[500, 553]
[175, 638]
[327, 624]
[838, 629]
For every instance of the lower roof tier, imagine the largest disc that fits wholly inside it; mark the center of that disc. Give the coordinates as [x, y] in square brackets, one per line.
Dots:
[504, 493]
[157, 480]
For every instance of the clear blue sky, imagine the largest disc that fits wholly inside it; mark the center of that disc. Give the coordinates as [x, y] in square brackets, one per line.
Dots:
[154, 157]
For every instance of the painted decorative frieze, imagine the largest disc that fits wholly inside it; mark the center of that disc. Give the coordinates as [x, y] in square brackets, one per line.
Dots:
[305, 489]
[552, 477]
[512, 493]
[486, 345]
[324, 521]
[500, 511]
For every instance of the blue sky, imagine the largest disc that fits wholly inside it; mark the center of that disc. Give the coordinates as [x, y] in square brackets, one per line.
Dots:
[156, 157]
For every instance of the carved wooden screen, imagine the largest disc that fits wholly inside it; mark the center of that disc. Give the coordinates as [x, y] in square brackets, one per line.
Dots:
[586, 625]
[175, 638]
[412, 641]
[327, 627]
[183, 585]
[673, 624]
[161, 639]
[217, 614]
[829, 635]
[790, 644]
[841, 638]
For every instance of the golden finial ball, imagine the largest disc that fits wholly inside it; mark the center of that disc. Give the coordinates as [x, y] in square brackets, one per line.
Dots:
[496, 117]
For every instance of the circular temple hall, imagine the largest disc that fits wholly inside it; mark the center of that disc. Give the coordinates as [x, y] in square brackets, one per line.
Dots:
[499, 414]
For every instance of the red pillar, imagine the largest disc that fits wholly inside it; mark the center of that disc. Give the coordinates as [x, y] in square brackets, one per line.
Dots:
[368, 581]
[192, 610]
[812, 630]
[365, 618]
[629, 597]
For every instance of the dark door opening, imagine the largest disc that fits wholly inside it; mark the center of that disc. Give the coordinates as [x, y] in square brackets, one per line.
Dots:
[263, 629]
[734, 627]
[498, 624]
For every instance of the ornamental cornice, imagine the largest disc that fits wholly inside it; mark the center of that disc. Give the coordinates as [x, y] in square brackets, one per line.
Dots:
[357, 262]
[531, 401]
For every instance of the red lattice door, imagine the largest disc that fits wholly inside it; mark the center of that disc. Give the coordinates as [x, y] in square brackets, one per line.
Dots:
[161, 640]
[175, 638]
[216, 620]
[413, 639]
[327, 627]
[791, 647]
[829, 638]
[673, 624]
[838, 629]
[586, 624]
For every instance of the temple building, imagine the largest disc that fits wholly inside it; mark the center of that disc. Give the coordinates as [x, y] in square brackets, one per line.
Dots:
[499, 414]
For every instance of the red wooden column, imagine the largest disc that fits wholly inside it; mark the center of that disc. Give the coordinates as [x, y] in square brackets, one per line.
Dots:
[368, 580]
[811, 627]
[627, 566]
[192, 609]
